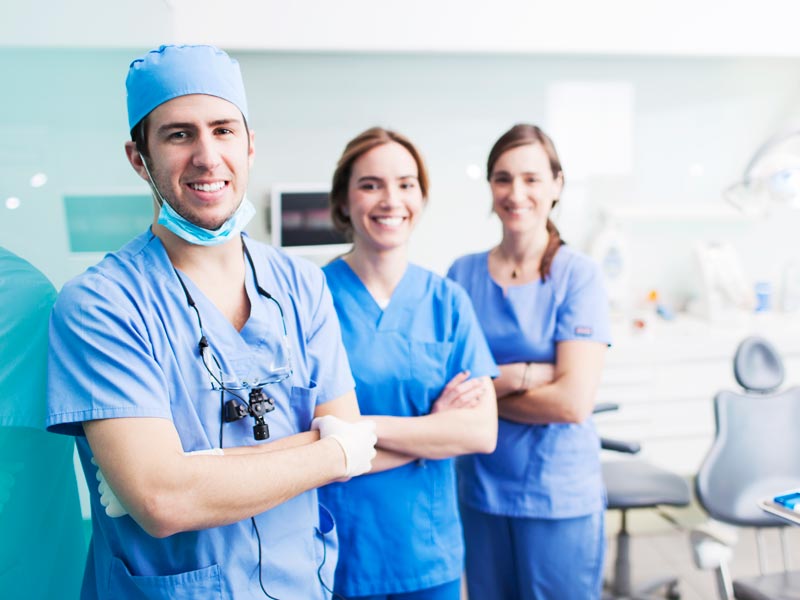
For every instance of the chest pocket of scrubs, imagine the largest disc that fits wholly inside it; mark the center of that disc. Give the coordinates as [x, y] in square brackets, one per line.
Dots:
[428, 372]
[303, 402]
[202, 583]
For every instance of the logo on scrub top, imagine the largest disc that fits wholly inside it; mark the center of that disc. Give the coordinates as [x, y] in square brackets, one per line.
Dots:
[583, 331]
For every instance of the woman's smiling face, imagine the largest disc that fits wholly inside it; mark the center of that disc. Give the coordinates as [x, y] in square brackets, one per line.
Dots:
[384, 197]
[524, 189]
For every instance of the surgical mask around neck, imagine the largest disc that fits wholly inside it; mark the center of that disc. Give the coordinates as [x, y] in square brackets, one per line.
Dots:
[194, 234]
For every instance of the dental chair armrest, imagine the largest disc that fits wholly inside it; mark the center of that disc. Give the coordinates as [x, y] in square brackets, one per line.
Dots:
[712, 544]
[620, 446]
[602, 407]
[615, 445]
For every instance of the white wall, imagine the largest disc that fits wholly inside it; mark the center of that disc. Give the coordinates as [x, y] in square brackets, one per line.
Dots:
[86, 23]
[690, 116]
[696, 122]
[653, 27]
[683, 27]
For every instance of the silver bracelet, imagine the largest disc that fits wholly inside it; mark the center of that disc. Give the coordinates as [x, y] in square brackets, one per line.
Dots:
[523, 386]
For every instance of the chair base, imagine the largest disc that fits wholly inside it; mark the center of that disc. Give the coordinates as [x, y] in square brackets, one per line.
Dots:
[663, 587]
[621, 589]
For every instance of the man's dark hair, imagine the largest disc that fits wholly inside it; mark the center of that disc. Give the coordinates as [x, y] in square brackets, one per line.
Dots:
[139, 137]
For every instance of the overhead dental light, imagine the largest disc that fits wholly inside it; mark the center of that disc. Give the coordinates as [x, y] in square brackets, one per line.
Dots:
[38, 180]
[771, 178]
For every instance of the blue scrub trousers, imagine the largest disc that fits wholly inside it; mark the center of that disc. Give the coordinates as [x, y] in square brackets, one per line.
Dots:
[446, 591]
[534, 559]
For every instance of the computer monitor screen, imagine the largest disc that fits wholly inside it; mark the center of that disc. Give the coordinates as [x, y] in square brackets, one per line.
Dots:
[301, 220]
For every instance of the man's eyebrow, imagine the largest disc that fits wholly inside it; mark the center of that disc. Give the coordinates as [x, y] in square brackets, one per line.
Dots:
[228, 121]
[215, 123]
[175, 125]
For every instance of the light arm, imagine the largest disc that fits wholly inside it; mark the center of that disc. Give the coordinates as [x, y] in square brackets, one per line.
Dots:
[345, 407]
[516, 377]
[292, 441]
[446, 433]
[166, 491]
[570, 397]
[387, 460]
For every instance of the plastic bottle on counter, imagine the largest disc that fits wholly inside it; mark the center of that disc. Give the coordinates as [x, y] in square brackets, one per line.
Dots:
[763, 291]
[610, 249]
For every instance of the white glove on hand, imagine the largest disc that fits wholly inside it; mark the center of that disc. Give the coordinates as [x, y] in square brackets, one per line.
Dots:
[108, 498]
[356, 439]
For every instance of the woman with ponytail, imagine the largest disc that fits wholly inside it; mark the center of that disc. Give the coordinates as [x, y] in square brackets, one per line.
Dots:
[538, 500]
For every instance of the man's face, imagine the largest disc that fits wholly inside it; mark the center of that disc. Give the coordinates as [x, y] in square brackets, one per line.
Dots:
[200, 157]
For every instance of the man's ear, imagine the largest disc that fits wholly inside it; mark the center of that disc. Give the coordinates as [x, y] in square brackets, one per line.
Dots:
[136, 160]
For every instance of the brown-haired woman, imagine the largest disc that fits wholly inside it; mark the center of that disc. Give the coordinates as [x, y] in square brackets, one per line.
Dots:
[538, 500]
[412, 340]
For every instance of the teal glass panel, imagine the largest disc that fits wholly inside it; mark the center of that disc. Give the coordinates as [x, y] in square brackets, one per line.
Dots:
[104, 223]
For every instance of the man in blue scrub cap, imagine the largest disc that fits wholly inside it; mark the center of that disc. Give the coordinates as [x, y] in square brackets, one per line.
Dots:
[201, 372]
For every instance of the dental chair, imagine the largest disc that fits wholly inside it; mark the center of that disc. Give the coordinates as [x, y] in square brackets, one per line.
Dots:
[755, 455]
[631, 485]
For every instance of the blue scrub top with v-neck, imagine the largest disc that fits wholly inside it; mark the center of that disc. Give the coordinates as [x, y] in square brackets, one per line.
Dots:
[124, 343]
[399, 530]
[539, 471]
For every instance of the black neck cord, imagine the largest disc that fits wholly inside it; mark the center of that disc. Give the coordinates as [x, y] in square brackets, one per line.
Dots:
[203, 347]
[260, 581]
[333, 594]
[261, 290]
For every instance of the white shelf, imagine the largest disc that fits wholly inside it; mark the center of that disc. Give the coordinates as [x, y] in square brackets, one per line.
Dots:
[643, 211]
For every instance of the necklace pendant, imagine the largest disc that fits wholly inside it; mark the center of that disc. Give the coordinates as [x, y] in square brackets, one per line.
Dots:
[514, 274]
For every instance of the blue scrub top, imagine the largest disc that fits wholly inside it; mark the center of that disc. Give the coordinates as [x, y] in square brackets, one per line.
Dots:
[399, 530]
[26, 298]
[538, 471]
[124, 343]
[40, 514]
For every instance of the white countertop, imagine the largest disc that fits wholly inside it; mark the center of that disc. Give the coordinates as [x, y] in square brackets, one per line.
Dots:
[691, 339]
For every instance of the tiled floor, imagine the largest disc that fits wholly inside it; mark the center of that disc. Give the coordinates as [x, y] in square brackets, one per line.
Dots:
[658, 549]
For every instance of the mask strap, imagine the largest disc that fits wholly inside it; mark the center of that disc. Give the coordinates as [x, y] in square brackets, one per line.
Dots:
[159, 197]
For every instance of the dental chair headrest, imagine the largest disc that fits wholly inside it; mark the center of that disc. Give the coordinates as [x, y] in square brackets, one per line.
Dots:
[757, 366]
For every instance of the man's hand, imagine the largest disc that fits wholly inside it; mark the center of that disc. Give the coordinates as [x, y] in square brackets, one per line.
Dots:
[356, 439]
[108, 498]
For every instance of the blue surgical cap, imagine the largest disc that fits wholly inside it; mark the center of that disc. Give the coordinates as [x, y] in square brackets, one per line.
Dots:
[173, 71]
